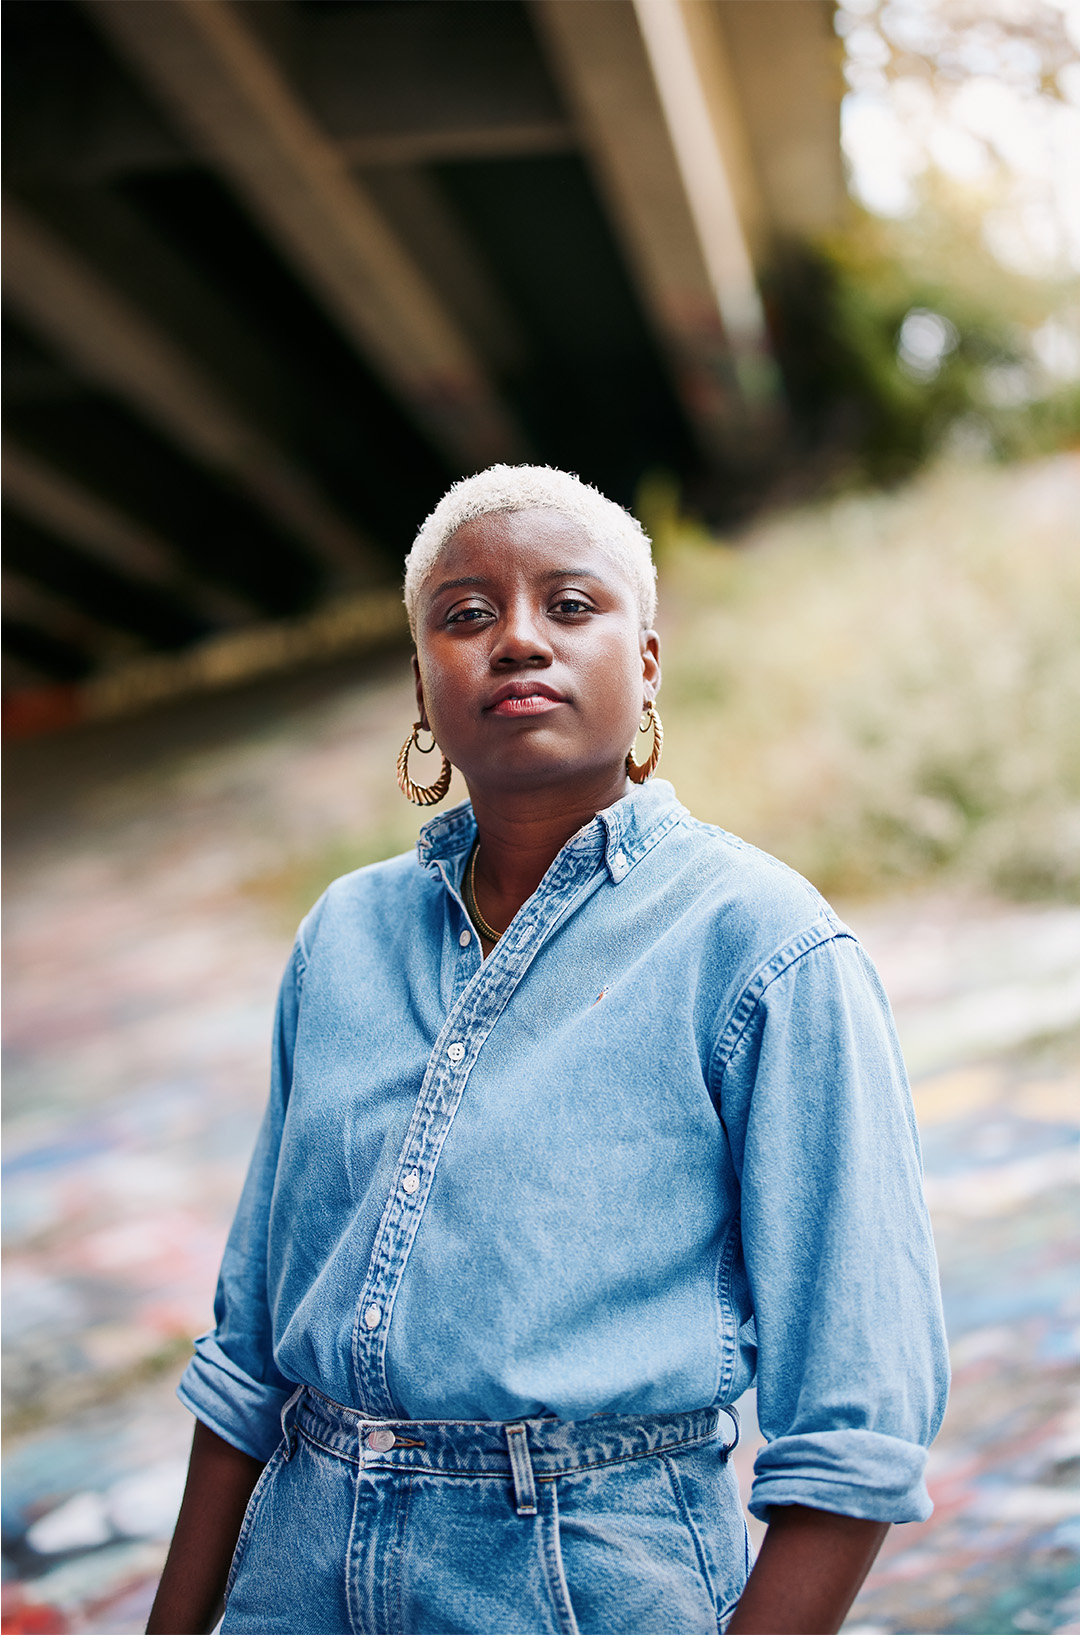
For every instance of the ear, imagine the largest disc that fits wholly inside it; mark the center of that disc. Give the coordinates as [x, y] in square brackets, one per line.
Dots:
[650, 664]
[419, 693]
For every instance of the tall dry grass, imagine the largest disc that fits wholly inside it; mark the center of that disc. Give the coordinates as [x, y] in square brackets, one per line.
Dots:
[884, 690]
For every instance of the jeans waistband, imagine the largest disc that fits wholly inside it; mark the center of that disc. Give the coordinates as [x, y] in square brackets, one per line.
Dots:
[454, 1447]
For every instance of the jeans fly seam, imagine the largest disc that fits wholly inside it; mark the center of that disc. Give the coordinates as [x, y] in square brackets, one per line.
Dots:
[691, 1528]
[554, 1571]
[354, 1565]
[397, 1551]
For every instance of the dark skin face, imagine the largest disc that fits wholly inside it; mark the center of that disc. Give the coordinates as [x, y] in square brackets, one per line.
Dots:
[532, 671]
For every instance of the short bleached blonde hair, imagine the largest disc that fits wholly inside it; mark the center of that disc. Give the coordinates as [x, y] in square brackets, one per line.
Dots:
[503, 488]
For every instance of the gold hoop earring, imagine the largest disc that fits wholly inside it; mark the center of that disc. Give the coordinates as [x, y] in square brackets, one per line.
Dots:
[421, 794]
[641, 771]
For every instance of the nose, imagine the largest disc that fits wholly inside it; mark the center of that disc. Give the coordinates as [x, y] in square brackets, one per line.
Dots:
[522, 640]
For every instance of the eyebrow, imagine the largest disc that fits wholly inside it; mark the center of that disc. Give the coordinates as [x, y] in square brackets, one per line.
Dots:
[554, 573]
[456, 584]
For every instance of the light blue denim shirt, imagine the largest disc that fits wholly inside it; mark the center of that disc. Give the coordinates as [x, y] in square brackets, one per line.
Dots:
[658, 1144]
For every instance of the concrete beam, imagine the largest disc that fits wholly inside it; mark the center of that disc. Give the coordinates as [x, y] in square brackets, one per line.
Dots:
[227, 93]
[17, 676]
[786, 61]
[428, 146]
[31, 604]
[130, 254]
[413, 84]
[89, 524]
[92, 158]
[355, 624]
[651, 92]
[111, 343]
[410, 200]
[694, 86]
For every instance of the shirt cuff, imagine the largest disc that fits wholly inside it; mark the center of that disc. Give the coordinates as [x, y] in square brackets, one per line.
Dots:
[239, 1409]
[852, 1472]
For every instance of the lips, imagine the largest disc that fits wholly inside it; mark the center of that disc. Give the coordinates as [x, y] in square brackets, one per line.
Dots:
[519, 698]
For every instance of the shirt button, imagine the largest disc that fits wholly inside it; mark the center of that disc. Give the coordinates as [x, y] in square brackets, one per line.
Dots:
[456, 1051]
[373, 1316]
[411, 1182]
[380, 1441]
[619, 865]
[465, 939]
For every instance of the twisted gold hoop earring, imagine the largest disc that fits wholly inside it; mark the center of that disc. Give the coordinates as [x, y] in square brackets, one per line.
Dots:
[641, 771]
[421, 794]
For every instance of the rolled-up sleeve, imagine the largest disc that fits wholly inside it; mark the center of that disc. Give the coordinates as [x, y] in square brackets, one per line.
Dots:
[232, 1384]
[852, 1367]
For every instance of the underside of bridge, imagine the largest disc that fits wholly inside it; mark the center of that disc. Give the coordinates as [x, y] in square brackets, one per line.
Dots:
[275, 273]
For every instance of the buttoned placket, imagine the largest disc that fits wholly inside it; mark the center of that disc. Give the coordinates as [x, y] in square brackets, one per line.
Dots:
[578, 873]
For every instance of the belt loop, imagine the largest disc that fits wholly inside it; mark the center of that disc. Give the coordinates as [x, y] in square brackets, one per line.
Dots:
[521, 1466]
[733, 1414]
[287, 1419]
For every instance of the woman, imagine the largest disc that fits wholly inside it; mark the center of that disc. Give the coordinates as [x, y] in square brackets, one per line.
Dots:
[581, 1117]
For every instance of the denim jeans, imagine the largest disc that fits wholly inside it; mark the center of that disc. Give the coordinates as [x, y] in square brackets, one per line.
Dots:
[442, 1527]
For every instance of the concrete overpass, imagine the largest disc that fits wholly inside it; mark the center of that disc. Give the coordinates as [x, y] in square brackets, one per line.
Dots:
[275, 271]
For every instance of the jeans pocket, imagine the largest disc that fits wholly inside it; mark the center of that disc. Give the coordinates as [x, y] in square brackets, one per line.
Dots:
[706, 1492]
[641, 1549]
[258, 1492]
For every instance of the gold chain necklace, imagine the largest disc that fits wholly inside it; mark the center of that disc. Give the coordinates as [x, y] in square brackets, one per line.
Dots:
[487, 931]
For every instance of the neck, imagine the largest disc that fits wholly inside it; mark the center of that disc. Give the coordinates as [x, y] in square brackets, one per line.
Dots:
[522, 833]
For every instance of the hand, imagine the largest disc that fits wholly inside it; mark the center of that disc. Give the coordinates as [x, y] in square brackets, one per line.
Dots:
[810, 1569]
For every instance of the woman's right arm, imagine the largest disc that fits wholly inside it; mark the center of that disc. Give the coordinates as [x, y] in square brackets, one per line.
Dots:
[232, 1380]
[219, 1484]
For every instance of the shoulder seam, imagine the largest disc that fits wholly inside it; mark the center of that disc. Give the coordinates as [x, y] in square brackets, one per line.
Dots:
[806, 942]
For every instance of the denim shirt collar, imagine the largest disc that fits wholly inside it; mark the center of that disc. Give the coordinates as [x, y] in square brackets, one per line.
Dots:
[619, 836]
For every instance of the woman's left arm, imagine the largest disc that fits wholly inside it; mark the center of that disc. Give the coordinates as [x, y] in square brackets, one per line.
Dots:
[851, 1361]
[808, 1572]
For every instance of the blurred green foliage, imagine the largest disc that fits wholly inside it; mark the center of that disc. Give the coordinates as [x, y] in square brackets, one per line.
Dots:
[838, 313]
[883, 689]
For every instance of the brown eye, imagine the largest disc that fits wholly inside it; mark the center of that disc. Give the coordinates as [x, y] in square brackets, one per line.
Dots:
[571, 605]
